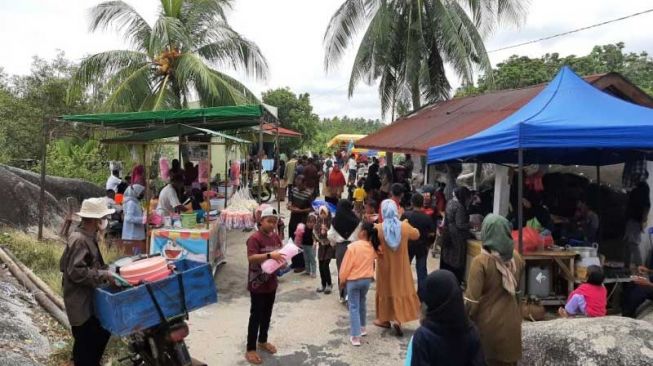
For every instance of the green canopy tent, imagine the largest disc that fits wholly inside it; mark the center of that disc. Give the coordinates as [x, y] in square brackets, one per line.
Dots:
[146, 137]
[216, 118]
[147, 126]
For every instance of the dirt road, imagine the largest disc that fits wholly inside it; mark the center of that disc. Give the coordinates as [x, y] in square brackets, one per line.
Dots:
[308, 328]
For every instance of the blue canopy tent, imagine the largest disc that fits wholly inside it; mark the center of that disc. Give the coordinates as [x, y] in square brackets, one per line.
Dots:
[568, 122]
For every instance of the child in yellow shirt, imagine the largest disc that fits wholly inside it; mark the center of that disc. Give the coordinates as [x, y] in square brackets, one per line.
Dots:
[359, 197]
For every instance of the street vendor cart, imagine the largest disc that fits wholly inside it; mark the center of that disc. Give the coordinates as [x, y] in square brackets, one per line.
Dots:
[200, 244]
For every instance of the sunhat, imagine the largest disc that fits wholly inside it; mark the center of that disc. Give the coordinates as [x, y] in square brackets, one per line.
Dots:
[94, 208]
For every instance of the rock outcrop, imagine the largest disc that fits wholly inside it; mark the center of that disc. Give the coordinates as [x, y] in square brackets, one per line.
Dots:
[20, 197]
[608, 341]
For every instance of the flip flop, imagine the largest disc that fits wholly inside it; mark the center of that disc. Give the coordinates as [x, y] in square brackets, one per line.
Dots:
[268, 347]
[253, 358]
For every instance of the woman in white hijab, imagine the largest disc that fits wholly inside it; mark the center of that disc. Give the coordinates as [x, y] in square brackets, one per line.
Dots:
[133, 227]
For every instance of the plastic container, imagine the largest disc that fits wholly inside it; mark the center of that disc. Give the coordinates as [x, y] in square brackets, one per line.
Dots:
[145, 270]
[217, 204]
[539, 281]
[189, 220]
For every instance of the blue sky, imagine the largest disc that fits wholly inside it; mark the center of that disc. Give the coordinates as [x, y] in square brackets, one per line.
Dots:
[290, 32]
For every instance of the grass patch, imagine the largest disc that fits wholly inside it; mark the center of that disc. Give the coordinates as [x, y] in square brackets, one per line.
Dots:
[43, 259]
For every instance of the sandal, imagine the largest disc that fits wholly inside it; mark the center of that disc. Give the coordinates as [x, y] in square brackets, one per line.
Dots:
[381, 324]
[397, 327]
[253, 358]
[268, 347]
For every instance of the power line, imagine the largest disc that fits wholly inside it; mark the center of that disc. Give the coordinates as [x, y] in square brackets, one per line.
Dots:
[573, 31]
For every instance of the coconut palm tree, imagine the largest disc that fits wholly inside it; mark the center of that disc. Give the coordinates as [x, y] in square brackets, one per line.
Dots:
[171, 62]
[407, 43]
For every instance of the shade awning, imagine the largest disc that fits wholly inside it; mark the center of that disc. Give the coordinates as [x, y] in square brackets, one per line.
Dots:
[344, 139]
[568, 122]
[171, 131]
[271, 129]
[224, 118]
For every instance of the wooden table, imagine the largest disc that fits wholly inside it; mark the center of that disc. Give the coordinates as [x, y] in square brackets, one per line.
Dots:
[564, 259]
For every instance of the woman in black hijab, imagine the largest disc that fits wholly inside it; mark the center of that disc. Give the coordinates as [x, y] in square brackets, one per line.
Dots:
[446, 336]
[344, 230]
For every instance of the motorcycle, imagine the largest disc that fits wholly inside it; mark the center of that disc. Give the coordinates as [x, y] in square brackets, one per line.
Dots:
[162, 345]
[265, 189]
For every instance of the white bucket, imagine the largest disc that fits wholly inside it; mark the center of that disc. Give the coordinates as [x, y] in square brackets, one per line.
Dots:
[229, 190]
[217, 203]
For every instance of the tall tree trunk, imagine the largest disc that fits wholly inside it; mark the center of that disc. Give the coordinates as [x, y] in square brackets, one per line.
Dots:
[416, 95]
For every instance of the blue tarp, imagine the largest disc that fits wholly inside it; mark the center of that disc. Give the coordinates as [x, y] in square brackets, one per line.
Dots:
[568, 122]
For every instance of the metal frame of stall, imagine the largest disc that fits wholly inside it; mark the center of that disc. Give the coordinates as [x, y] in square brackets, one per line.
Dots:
[141, 123]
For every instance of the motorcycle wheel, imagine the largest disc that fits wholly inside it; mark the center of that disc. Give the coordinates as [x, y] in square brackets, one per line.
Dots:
[265, 195]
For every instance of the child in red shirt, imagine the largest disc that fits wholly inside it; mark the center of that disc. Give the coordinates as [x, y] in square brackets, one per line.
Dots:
[264, 244]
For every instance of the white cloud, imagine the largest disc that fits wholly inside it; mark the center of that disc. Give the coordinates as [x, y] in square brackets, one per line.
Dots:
[290, 32]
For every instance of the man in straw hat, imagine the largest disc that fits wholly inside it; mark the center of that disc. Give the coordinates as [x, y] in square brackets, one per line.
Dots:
[83, 270]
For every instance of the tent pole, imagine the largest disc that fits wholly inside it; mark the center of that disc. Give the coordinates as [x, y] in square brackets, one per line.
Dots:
[599, 201]
[277, 162]
[179, 144]
[208, 187]
[520, 198]
[226, 174]
[147, 197]
[260, 161]
[44, 150]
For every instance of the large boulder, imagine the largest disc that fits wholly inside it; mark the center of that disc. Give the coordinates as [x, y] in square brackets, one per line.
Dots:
[609, 341]
[645, 311]
[22, 192]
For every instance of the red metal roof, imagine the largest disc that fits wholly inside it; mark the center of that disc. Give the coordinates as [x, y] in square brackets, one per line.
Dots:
[451, 120]
[271, 129]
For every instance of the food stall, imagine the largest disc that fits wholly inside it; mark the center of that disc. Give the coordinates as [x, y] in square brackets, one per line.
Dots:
[569, 122]
[205, 241]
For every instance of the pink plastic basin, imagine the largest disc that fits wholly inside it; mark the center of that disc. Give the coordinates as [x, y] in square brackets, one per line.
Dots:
[144, 267]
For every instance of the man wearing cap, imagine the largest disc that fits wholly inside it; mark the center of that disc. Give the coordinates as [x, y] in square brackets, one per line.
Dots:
[83, 270]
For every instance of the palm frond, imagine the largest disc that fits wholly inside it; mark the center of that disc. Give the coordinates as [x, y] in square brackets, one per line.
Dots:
[128, 88]
[244, 94]
[99, 67]
[343, 27]
[453, 44]
[169, 33]
[124, 19]
[372, 50]
[200, 15]
[171, 8]
[487, 14]
[478, 51]
[237, 53]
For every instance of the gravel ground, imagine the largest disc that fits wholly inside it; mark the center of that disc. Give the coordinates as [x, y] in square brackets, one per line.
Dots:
[308, 328]
[24, 326]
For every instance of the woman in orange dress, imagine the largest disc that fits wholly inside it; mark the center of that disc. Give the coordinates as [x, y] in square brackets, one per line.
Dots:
[396, 298]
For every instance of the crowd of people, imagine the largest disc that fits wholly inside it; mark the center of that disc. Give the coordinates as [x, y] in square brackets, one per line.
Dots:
[381, 223]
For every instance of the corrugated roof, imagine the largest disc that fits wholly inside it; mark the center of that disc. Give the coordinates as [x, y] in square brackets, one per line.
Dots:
[451, 120]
